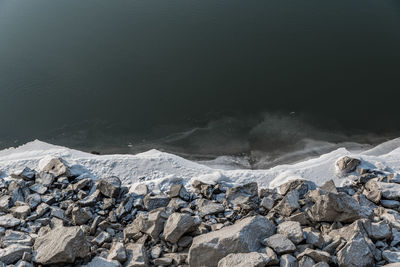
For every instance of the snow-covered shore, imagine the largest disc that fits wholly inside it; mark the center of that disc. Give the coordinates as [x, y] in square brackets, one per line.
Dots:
[159, 169]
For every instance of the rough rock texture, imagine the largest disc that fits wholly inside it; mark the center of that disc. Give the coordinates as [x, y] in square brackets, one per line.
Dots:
[61, 245]
[176, 226]
[244, 236]
[109, 186]
[244, 260]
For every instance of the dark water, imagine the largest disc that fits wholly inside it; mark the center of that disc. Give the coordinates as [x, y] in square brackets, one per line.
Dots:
[198, 77]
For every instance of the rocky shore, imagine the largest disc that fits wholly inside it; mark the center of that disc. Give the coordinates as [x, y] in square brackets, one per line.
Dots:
[49, 217]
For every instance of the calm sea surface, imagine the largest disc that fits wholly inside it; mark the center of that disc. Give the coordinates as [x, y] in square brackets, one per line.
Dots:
[198, 77]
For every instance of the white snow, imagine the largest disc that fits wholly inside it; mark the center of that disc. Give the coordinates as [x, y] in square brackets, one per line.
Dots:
[159, 169]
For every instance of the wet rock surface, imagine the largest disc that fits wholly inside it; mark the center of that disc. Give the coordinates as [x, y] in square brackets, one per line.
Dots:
[49, 217]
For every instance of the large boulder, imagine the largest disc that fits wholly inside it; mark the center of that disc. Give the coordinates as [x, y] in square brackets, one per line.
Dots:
[60, 245]
[330, 207]
[243, 237]
[355, 253]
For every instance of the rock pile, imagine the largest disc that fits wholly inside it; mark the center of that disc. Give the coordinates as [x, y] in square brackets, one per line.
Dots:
[48, 217]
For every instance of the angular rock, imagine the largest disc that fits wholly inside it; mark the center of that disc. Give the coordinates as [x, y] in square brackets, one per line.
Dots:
[391, 256]
[44, 178]
[316, 255]
[33, 200]
[117, 252]
[136, 256]
[102, 262]
[299, 185]
[9, 221]
[178, 190]
[26, 174]
[267, 202]
[13, 253]
[155, 202]
[176, 226]
[55, 166]
[347, 164]
[42, 209]
[291, 230]
[21, 212]
[102, 238]
[340, 207]
[154, 224]
[355, 253]
[378, 230]
[242, 194]
[288, 260]
[61, 245]
[109, 186]
[242, 237]
[207, 207]
[164, 261]
[81, 215]
[244, 260]
[388, 190]
[5, 203]
[38, 188]
[313, 237]
[15, 237]
[280, 244]
[288, 204]
[306, 262]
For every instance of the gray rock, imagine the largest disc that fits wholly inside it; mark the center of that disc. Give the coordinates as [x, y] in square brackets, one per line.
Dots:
[136, 256]
[44, 178]
[9, 221]
[38, 188]
[321, 264]
[306, 262]
[388, 190]
[5, 203]
[185, 241]
[242, 194]
[42, 209]
[57, 212]
[15, 237]
[61, 245]
[392, 218]
[154, 224]
[288, 204]
[21, 212]
[155, 202]
[176, 226]
[102, 238]
[347, 164]
[316, 255]
[117, 252]
[391, 204]
[378, 230]
[244, 260]
[57, 167]
[13, 253]
[391, 256]
[395, 237]
[280, 244]
[26, 174]
[288, 260]
[291, 230]
[178, 190]
[242, 237]
[109, 186]
[356, 253]
[332, 207]
[313, 237]
[33, 200]
[267, 203]
[22, 263]
[102, 262]
[164, 261]
[207, 207]
[140, 190]
[81, 215]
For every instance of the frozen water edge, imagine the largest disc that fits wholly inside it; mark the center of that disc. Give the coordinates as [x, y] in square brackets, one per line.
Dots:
[160, 169]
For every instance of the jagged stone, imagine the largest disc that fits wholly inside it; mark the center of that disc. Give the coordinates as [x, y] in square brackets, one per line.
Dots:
[288, 260]
[321, 264]
[299, 185]
[347, 164]
[178, 190]
[316, 255]
[155, 202]
[288, 204]
[291, 230]
[280, 244]
[185, 241]
[140, 190]
[176, 226]
[21, 212]
[38, 188]
[61, 245]
[26, 174]
[55, 166]
[329, 186]
[330, 207]
[13, 253]
[102, 238]
[242, 194]
[90, 200]
[33, 200]
[80, 215]
[356, 253]
[267, 203]
[391, 256]
[15, 237]
[9, 221]
[378, 230]
[109, 186]
[390, 204]
[207, 207]
[242, 237]
[42, 209]
[5, 203]
[154, 224]
[244, 260]
[136, 256]
[387, 190]
[164, 261]
[313, 237]
[117, 252]
[22, 263]
[81, 184]
[102, 262]
[306, 261]
[44, 178]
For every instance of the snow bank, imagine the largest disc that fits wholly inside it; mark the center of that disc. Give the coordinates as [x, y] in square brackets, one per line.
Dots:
[159, 169]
